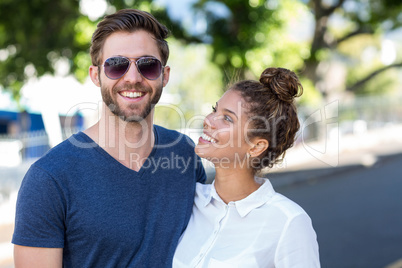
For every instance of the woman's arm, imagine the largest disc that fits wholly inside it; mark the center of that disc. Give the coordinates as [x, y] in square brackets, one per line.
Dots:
[298, 245]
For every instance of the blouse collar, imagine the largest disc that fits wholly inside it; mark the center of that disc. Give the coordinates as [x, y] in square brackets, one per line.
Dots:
[244, 206]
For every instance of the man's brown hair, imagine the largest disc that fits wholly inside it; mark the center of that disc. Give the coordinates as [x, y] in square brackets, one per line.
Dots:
[128, 20]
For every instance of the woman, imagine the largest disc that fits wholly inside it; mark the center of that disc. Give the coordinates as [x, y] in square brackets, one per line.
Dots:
[239, 220]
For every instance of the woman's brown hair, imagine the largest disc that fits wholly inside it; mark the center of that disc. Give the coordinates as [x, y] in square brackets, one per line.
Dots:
[272, 112]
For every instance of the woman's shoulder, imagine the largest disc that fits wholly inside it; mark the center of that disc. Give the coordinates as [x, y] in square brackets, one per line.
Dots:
[286, 206]
[276, 202]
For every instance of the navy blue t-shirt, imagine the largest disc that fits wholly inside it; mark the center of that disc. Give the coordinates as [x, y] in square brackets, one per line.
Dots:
[103, 214]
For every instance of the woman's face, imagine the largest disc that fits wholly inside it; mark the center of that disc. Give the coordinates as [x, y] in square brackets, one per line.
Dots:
[224, 138]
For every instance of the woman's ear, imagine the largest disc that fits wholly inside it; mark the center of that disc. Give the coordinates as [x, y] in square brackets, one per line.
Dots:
[94, 74]
[260, 145]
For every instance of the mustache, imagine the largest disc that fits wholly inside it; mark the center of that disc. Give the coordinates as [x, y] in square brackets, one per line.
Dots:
[138, 87]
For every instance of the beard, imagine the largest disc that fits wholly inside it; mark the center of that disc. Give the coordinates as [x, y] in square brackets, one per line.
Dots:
[126, 114]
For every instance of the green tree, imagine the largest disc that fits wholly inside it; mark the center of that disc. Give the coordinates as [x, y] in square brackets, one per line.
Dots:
[33, 35]
[255, 25]
[247, 36]
[370, 18]
[36, 34]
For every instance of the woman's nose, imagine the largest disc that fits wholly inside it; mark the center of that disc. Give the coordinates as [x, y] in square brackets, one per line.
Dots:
[209, 122]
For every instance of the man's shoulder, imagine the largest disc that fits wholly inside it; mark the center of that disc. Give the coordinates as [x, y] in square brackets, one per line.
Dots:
[65, 152]
[169, 137]
[166, 131]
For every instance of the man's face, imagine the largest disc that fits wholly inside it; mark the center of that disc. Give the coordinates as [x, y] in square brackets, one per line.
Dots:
[131, 97]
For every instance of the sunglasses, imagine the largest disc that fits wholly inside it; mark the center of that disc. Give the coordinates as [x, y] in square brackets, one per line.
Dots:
[148, 67]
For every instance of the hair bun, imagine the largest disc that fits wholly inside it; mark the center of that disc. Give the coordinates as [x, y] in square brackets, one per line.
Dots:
[282, 82]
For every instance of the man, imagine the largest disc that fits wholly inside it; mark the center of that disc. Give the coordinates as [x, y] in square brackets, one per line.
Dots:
[120, 193]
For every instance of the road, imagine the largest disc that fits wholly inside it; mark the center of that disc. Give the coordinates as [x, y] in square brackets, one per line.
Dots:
[356, 212]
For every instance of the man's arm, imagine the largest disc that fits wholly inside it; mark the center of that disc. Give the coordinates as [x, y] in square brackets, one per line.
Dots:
[37, 257]
[200, 171]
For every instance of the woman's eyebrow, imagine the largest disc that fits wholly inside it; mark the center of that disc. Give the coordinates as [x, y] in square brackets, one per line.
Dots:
[230, 111]
[226, 110]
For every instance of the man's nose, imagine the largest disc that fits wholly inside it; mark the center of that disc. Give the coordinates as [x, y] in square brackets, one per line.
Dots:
[133, 75]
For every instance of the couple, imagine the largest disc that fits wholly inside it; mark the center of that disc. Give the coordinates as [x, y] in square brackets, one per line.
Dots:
[89, 203]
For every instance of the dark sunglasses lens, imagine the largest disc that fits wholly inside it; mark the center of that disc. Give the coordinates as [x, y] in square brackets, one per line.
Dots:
[150, 68]
[116, 67]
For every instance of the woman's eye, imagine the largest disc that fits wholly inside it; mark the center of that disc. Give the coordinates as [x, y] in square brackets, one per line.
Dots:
[228, 118]
[214, 109]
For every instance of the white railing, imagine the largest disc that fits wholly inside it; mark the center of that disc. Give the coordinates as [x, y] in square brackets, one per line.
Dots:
[25, 146]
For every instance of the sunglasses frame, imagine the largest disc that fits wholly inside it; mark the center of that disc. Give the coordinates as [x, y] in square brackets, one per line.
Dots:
[135, 60]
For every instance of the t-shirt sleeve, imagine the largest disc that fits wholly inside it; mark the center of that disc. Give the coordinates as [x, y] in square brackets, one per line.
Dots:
[40, 210]
[200, 171]
[298, 245]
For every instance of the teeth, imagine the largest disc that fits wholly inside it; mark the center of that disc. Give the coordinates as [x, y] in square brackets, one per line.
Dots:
[208, 138]
[130, 94]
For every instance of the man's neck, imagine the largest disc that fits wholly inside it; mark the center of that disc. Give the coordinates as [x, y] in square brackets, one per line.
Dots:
[130, 143]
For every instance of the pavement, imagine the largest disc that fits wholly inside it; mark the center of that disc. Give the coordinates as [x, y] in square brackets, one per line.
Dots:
[307, 162]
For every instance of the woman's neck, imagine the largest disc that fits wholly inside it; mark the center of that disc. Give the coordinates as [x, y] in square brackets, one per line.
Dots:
[234, 184]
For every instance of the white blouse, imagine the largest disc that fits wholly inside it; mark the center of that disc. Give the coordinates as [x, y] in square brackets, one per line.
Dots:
[265, 229]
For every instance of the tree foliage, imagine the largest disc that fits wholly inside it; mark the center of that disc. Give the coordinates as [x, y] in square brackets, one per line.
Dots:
[36, 34]
[360, 18]
[33, 34]
[245, 36]
[249, 36]
[234, 36]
